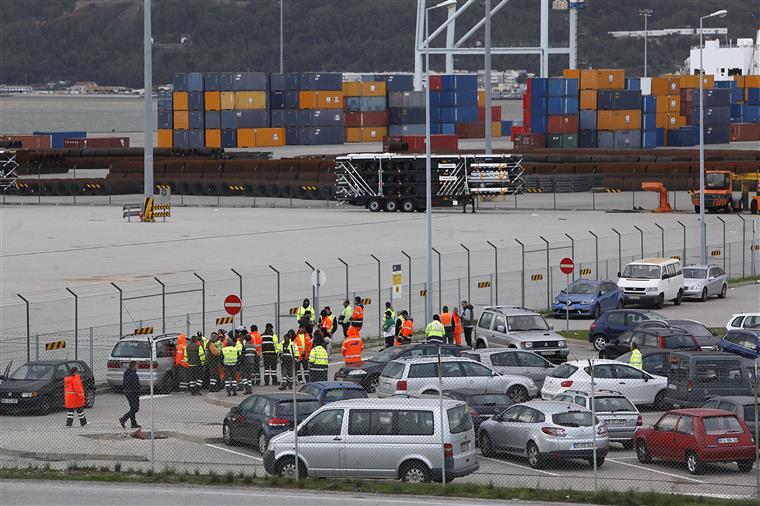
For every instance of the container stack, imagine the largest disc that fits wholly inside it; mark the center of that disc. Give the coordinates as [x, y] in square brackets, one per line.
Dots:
[366, 110]
[406, 114]
[477, 130]
[745, 108]
[212, 107]
[284, 104]
[165, 119]
[667, 90]
[453, 104]
[535, 103]
[320, 101]
[245, 108]
[562, 108]
[717, 108]
[180, 112]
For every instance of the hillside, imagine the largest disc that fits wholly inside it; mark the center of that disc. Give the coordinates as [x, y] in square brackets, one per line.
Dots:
[101, 40]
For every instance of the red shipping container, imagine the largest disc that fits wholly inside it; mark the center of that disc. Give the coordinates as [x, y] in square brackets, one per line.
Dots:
[687, 94]
[435, 82]
[527, 142]
[374, 119]
[567, 124]
[352, 119]
[471, 130]
[739, 132]
[438, 143]
[517, 130]
[29, 141]
[495, 113]
[97, 143]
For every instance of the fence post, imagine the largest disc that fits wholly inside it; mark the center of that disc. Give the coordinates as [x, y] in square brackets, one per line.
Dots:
[76, 323]
[744, 244]
[92, 353]
[469, 280]
[641, 236]
[163, 304]
[620, 252]
[240, 292]
[662, 239]
[121, 310]
[345, 264]
[548, 272]
[203, 302]
[313, 288]
[409, 262]
[496, 270]
[522, 273]
[683, 260]
[187, 324]
[28, 333]
[572, 253]
[37, 347]
[379, 300]
[723, 222]
[596, 253]
[440, 282]
[277, 315]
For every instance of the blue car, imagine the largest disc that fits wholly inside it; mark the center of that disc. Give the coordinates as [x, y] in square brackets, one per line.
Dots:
[588, 297]
[613, 323]
[332, 391]
[745, 343]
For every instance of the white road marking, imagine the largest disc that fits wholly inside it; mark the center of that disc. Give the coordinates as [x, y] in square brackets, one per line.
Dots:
[516, 465]
[656, 471]
[234, 452]
[147, 397]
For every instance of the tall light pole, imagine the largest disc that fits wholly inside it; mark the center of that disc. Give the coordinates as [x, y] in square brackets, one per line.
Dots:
[487, 77]
[428, 169]
[702, 227]
[646, 13]
[282, 60]
[148, 95]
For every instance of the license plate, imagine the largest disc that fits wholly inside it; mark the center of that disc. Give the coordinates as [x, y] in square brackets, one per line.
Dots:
[726, 440]
[632, 297]
[616, 421]
[8, 401]
[465, 446]
[546, 353]
[583, 446]
[672, 387]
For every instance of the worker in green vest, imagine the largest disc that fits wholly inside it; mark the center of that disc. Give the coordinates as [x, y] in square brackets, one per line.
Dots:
[318, 360]
[230, 355]
[435, 330]
[305, 310]
[636, 360]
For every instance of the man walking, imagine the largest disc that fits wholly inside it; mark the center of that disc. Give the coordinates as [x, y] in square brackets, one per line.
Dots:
[73, 397]
[180, 362]
[468, 322]
[345, 317]
[131, 385]
[352, 347]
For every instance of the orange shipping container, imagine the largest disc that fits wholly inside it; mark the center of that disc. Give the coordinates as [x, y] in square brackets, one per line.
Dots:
[247, 100]
[571, 73]
[751, 82]
[179, 100]
[329, 100]
[496, 129]
[213, 100]
[692, 81]
[481, 98]
[246, 138]
[228, 100]
[674, 103]
[181, 120]
[269, 137]
[669, 120]
[165, 138]
[353, 134]
[373, 89]
[588, 99]
[213, 138]
[666, 85]
[352, 88]
[618, 120]
[374, 134]
[604, 79]
[307, 100]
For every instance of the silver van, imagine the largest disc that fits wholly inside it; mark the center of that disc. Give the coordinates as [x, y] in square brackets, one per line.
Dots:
[379, 438]
[137, 348]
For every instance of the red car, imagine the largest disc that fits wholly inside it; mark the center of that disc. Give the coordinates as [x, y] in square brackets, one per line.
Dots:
[697, 436]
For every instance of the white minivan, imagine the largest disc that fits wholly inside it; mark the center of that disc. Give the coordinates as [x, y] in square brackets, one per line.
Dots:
[652, 281]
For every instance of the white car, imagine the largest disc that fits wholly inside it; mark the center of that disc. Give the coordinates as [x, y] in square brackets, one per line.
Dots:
[744, 321]
[640, 387]
[652, 281]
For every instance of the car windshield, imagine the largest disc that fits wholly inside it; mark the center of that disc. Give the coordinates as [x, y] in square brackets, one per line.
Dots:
[387, 355]
[527, 322]
[651, 315]
[572, 419]
[459, 419]
[563, 371]
[33, 372]
[716, 425]
[641, 271]
[131, 349]
[717, 181]
[582, 287]
[613, 404]
[692, 273]
[678, 341]
[693, 328]
[305, 407]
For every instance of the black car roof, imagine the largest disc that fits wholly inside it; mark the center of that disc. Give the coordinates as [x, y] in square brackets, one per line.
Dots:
[661, 331]
[712, 355]
[287, 397]
[53, 362]
[738, 399]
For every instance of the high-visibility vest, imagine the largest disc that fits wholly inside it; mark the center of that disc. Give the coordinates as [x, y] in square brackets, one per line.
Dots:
[180, 357]
[345, 315]
[435, 329]
[327, 323]
[318, 358]
[303, 341]
[302, 311]
[636, 360]
[407, 328]
[393, 313]
[445, 319]
[351, 349]
[357, 317]
[269, 343]
[230, 354]
[73, 393]
[256, 341]
[291, 350]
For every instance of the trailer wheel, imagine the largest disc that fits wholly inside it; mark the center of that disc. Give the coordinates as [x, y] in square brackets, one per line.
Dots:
[390, 206]
[407, 206]
[374, 205]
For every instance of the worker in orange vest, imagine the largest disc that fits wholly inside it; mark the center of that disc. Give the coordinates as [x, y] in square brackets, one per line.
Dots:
[352, 347]
[357, 317]
[256, 342]
[406, 329]
[458, 329]
[180, 363]
[73, 397]
[448, 325]
[303, 342]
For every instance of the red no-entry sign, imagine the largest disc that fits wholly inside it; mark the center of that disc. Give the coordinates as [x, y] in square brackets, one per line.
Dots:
[566, 265]
[232, 304]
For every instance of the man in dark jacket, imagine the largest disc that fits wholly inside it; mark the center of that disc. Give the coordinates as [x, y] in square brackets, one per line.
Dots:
[131, 385]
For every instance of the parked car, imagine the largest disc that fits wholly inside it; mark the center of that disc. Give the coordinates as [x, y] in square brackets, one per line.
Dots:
[481, 406]
[261, 417]
[613, 408]
[697, 436]
[744, 321]
[516, 327]
[742, 406]
[668, 338]
[697, 376]
[652, 281]
[703, 281]
[420, 375]
[366, 373]
[638, 386]
[513, 361]
[587, 297]
[615, 322]
[706, 340]
[745, 343]
[654, 361]
[37, 387]
[137, 348]
[545, 431]
[331, 391]
[338, 441]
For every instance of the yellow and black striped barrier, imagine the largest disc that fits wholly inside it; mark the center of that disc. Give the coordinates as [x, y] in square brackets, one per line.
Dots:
[309, 188]
[614, 190]
[236, 188]
[484, 284]
[163, 187]
[715, 253]
[534, 190]
[147, 214]
[692, 192]
[293, 310]
[21, 185]
[143, 330]
[585, 271]
[756, 247]
[536, 277]
[366, 301]
[423, 293]
[93, 186]
[225, 320]
[162, 211]
[55, 345]
[676, 257]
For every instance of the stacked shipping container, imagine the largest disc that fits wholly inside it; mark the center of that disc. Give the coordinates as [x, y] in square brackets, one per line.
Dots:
[366, 110]
[453, 102]
[745, 108]
[563, 110]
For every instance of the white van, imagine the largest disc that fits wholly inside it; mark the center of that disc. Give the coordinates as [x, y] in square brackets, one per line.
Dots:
[379, 438]
[652, 281]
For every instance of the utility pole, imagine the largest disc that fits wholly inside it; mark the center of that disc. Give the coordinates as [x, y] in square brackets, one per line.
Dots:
[148, 93]
[645, 13]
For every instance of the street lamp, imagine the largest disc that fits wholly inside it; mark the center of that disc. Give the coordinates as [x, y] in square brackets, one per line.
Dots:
[646, 13]
[428, 170]
[702, 228]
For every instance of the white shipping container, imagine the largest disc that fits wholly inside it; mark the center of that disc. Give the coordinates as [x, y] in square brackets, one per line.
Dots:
[646, 85]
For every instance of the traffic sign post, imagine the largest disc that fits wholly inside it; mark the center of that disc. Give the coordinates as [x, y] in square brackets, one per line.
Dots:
[318, 279]
[232, 304]
[567, 266]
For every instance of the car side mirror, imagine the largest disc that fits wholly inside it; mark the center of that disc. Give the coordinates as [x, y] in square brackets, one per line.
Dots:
[563, 291]
[618, 274]
[646, 379]
[547, 365]
[551, 326]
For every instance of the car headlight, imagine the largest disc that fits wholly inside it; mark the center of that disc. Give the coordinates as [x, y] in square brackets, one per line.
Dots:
[29, 394]
[587, 302]
[357, 372]
[651, 289]
[527, 345]
[556, 300]
[561, 344]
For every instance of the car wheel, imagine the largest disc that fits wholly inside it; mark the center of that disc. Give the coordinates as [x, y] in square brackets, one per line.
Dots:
[535, 459]
[46, 407]
[89, 397]
[374, 380]
[597, 312]
[745, 466]
[660, 301]
[374, 205]
[286, 467]
[429, 392]
[693, 464]
[599, 342]
[390, 206]
[414, 472]
[599, 461]
[679, 298]
[486, 447]
[659, 401]
[263, 443]
[703, 297]
[723, 291]
[227, 434]
[642, 452]
[480, 345]
[627, 445]
[518, 394]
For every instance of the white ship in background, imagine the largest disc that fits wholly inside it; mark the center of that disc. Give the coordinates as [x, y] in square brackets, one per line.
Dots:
[724, 62]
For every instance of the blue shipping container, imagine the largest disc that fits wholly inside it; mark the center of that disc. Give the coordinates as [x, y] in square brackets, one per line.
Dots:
[321, 117]
[180, 139]
[195, 118]
[737, 95]
[587, 138]
[322, 135]
[649, 139]
[196, 139]
[291, 99]
[753, 96]
[254, 118]
[448, 83]
[466, 82]
[251, 81]
[352, 104]
[410, 116]
[442, 99]
[211, 81]
[410, 129]
[195, 100]
[660, 134]
[747, 113]
[725, 84]
[538, 124]
[435, 115]
[278, 118]
[213, 119]
[179, 83]
[605, 139]
[633, 83]
[717, 134]
[587, 121]
[562, 87]
[716, 97]
[435, 128]
[538, 106]
[396, 82]
[649, 121]
[560, 106]
[466, 114]
[649, 104]
[539, 87]
[194, 81]
[680, 137]
[284, 82]
[447, 115]
[227, 83]
[293, 136]
[506, 128]
[315, 81]
[713, 115]
[57, 138]
[618, 99]
[627, 139]
[165, 119]
[277, 100]
[165, 104]
[228, 120]
[373, 104]
[448, 128]
[466, 98]
[229, 138]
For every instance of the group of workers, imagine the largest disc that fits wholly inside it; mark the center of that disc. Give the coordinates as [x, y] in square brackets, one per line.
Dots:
[448, 327]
